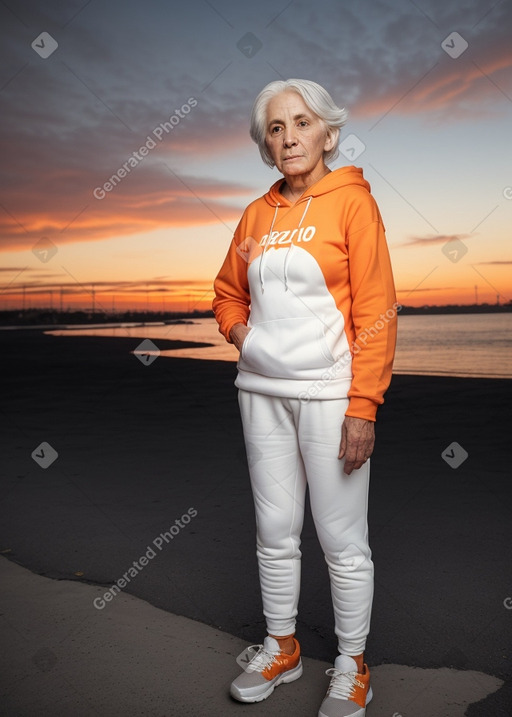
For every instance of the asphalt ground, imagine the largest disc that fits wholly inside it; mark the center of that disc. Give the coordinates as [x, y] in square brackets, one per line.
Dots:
[141, 448]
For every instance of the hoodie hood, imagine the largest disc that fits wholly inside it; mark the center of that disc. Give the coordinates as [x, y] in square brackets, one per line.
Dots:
[343, 177]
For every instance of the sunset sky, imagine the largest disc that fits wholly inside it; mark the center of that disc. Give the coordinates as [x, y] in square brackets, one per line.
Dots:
[178, 79]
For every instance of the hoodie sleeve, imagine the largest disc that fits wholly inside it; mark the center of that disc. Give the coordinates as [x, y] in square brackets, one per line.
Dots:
[232, 298]
[373, 311]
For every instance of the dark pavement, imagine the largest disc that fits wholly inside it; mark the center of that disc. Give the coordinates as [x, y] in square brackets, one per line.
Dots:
[139, 447]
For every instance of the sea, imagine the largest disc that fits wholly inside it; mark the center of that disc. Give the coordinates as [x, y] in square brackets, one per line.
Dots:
[469, 345]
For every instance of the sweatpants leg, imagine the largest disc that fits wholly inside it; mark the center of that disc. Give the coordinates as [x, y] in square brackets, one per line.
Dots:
[339, 505]
[290, 443]
[278, 484]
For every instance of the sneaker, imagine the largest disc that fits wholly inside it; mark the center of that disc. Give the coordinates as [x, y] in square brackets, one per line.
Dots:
[349, 691]
[267, 669]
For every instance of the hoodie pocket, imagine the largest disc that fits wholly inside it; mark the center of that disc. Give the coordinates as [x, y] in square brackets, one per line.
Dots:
[286, 348]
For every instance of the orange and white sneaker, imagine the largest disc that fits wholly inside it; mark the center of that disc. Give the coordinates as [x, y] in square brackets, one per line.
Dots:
[267, 669]
[349, 691]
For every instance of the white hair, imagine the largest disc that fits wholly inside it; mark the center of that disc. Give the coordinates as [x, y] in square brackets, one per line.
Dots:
[316, 98]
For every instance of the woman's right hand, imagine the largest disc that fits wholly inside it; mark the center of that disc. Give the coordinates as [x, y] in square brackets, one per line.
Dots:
[238, 333]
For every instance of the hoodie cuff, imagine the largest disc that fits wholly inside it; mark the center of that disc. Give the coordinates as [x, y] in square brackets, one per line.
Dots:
[360, 407]
[226, 333]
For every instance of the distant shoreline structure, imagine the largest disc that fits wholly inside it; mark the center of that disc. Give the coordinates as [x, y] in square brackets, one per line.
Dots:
[46, 317]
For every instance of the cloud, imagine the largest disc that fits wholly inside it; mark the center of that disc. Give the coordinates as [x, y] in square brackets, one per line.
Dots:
[432, 239]
[393, 60]
[31, 286]
[60, 204]
[480, 263]
[421, 289]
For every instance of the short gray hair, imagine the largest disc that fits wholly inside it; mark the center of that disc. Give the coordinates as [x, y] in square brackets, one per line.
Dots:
[317, 99]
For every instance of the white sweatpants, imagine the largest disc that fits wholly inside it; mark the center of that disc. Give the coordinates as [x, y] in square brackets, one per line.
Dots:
[290, 444]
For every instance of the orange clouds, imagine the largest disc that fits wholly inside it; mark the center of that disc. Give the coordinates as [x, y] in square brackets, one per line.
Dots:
[146, 200]
[450, 86]
[433, 239]
[31, 290]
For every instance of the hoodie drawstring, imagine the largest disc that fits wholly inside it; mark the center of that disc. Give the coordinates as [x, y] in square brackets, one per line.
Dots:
[261, 266]
[288, 253]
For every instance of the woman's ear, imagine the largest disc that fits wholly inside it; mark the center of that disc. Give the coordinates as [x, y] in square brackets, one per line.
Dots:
[330, 139]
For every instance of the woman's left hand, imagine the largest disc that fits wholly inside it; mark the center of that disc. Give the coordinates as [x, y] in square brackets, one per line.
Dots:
[238, 333]
[357, 442]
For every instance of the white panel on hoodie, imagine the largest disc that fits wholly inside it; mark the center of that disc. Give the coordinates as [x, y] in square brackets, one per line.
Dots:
[297, 345]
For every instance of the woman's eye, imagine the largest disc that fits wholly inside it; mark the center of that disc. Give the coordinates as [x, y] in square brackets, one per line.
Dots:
[303, 123]
[275, 130]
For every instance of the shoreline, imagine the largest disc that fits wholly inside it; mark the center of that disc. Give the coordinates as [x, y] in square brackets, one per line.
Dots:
[168, 346]
[85, 316]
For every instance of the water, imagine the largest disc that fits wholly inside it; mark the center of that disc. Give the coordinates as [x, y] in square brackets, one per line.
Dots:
[475, 345]
[478, 345]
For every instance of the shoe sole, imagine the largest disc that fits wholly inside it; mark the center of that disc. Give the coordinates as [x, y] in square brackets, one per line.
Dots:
[288, 676]
[362, 711]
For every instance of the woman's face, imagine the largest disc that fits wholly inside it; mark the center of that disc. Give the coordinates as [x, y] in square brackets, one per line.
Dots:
[296, 137]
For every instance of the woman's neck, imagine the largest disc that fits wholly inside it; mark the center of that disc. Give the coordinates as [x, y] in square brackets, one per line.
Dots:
[295, 186]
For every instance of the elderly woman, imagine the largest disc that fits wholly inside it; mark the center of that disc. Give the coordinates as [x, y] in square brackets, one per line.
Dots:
[306, 295]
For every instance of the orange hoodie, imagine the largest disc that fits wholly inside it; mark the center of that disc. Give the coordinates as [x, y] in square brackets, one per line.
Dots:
[313, 280]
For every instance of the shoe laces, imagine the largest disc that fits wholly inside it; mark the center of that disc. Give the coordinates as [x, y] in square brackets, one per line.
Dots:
[342, 683]
[261, 660]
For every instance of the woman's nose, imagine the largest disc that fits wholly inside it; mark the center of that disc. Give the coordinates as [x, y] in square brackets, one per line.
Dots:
[289, 139]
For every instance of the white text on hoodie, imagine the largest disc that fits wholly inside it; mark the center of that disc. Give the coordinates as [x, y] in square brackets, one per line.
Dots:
[287, 237]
